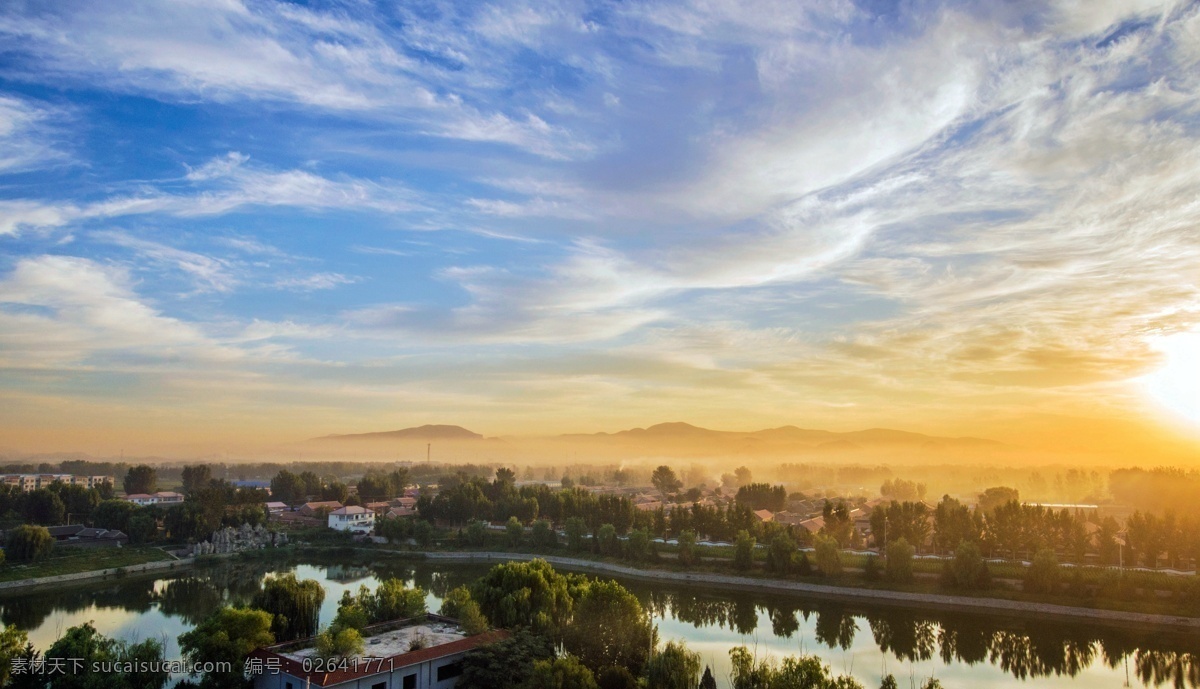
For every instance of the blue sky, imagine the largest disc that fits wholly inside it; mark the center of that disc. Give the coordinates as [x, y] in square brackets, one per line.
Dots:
[273, 220]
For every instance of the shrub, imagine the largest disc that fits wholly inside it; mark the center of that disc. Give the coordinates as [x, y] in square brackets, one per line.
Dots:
[576, 534]
[899, 561]
[871, 569]
[781, 553]
[476, 533]
[687, 548]
[609, 544]
[616, 677]
[829, 558]
[1043, 574]
[344, 643]
[543, 535]
[803, 566]
[967, 570]
[638, 545]
[743, 554]
[514, 531]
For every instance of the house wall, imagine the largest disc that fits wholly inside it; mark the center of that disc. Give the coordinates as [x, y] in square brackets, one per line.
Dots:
[426, 678]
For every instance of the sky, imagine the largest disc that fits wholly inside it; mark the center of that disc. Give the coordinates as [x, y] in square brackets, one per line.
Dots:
[236, 223]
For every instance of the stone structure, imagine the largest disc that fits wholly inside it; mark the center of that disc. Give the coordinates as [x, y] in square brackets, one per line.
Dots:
[245, 537]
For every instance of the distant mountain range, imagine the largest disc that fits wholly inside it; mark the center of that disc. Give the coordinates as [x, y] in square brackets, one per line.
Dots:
[426, 432]
[788, 435]
[678, 433]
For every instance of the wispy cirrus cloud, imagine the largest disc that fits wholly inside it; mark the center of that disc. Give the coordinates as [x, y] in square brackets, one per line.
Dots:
[29, 135]
[349, 61]
[220, 186]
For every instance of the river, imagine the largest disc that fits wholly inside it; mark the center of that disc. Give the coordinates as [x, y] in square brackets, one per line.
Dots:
[960, 649]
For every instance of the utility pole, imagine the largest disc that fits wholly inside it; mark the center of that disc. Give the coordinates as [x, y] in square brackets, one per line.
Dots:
[428, 451]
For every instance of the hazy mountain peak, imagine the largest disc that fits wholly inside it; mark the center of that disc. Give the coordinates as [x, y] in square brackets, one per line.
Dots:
[426, 432]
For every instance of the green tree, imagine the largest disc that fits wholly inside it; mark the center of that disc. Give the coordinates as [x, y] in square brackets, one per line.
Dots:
[515, 532]
[28, 543]
[351, 613]
[673, 667]
[708, 681]
[968, 570]
[43, 506]
[506, 663]
[889, 682]
[609, 543]
[995, 497]
[576, 530]
[227, 636]
[827, 555]
[79, 503]
[141, 479]
[13, 645]
[336, 491]
[1043, 574]
[196, 477]
[392, 600]
[614, 677]
[524, 594]
[454, 600]
[142, 528]
[476, 533]
[638, 545]
[898, 564]
[423, 533]
[564, 672]
[543, 535]
[86, 645]
[345, 642]
[687, 548]
[743, 550]
[665, 480]
[781, 553]
[610, 627]
[114, 514]
[802, 672]
[295, 606]
[288, 487]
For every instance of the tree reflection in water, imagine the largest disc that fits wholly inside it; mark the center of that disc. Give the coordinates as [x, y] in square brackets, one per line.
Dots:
[1023, 649]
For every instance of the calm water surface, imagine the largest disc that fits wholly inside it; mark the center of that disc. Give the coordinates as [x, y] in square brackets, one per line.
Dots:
[963, 650]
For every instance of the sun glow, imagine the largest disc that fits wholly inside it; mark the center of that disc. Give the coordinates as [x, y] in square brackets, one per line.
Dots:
[1176, 385]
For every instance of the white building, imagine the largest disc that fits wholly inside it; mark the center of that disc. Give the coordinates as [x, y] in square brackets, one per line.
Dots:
[352, 518]
[165, 497]
[29, 482]
[387, 662]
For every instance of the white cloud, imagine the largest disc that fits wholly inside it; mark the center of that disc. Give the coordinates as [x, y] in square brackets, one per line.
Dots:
[344, 61]
[316, 281]
[220, 186]
[27, 135]
[211, 274]
[71, 309]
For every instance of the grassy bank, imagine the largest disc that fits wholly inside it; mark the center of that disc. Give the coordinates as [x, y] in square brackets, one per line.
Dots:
[1093, 588]
[67, 560]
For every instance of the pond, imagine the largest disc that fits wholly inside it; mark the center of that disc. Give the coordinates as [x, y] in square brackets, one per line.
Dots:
[960, 649]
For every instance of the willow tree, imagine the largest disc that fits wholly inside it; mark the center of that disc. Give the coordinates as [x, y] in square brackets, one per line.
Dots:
[295, 604]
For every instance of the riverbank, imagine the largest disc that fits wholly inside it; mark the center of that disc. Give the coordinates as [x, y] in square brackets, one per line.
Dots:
[849, 594]
[85, 561]
[153, 568]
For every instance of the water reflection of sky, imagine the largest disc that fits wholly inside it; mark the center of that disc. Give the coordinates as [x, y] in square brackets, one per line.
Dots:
[863, 659]
[134, 610]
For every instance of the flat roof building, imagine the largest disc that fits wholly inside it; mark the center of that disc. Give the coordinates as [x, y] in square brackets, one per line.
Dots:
[419, 653]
